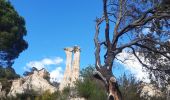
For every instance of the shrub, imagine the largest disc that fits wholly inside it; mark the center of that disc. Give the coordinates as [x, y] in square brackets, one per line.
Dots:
[89, 87]
[90, 90]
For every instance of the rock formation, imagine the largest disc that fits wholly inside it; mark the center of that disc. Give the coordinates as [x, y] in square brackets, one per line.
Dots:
[148, 90]
[71, 73]
[168, 92]
[76, 64]
[35, 82]
[2, 93]
[67, 79]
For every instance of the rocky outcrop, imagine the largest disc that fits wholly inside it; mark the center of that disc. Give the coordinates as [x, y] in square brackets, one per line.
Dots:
[2, 93]
[34, 82]
[75, 65]
[71, 73]
[67, 74]
[168, 92]
[148, 90]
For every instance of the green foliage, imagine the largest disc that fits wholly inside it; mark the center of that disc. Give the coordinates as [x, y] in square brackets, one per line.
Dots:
[12, 31]
[47, 95]
[29, 95]
[65, 93]
[90, 88]
[87, 72]
[56, 95]
[129, 87]
[8, 73]
[6, 85]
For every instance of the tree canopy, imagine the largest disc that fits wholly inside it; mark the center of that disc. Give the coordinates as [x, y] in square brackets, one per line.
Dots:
[138, 27]
[12, 32]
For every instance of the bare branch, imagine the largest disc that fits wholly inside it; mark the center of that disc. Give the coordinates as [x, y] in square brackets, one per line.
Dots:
[98, 75]
[141, 21]
[130, 43]
[118, 23]
[112, 14]
[147, 66]
[103, 43]
[112, 21]
[107, 23]
[97, 44]
[129, 27]
[140, 61]
[150, 49]
[122, 61]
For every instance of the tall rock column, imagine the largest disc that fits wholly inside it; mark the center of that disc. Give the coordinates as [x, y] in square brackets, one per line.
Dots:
[67, 74]
[75, 65]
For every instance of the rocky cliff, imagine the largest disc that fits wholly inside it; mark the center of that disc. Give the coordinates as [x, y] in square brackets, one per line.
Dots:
[34, 82]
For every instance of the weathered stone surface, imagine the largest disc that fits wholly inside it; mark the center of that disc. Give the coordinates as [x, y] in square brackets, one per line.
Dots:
[66, 79]
[72, 67]
[2, 93]
[75, 65]
[168, 92]
[148, 90]
[35, 82]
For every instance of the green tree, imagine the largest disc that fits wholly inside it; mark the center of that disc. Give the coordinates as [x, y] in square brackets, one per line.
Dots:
[8, 73]
[138, 27]
[12, 32]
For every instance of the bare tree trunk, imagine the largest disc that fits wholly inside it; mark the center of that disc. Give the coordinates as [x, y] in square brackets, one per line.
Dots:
[104, 73]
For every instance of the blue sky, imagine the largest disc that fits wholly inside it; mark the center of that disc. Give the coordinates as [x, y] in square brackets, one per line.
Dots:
[55, 24]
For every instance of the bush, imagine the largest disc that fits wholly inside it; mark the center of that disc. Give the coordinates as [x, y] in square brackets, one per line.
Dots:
[8, 73]
[54, 96]
[90, 88]
[45, 96]
[129, 87]
[28, 95]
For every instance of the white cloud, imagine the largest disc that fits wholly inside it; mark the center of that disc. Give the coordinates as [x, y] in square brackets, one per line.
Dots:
[44, 63]
[56, 74]
[36, 64]
[132, 64]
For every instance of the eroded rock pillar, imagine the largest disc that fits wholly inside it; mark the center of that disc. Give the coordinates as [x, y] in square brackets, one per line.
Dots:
[67, 74]
[75, 64]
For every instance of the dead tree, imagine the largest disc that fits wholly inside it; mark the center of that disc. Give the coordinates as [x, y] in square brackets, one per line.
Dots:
[138, 27]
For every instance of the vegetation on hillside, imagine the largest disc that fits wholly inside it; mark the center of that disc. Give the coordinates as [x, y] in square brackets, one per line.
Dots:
[90, 89]
[6, 76]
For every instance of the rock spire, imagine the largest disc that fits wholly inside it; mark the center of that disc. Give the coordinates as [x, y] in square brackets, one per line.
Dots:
[71, 73]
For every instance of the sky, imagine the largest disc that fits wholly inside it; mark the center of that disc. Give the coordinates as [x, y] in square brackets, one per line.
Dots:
[53, 25]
